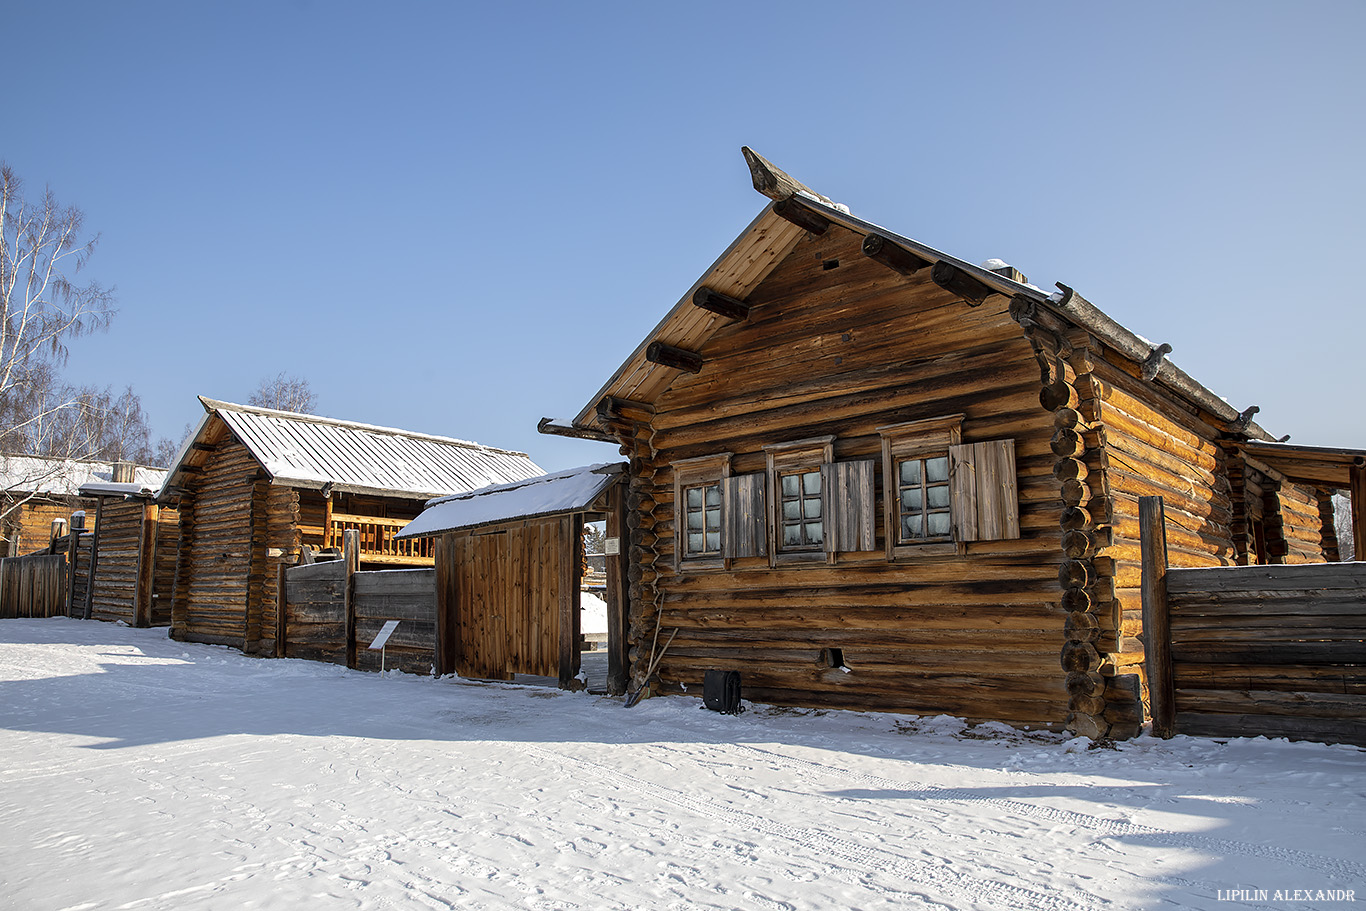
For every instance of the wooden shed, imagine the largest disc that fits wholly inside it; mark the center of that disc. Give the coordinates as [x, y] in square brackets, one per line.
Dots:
[132, 564]
[259, 488]
[868, 474]
[509, 562]
[35, 491]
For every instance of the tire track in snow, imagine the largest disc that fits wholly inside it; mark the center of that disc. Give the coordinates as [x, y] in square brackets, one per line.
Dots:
[1115, 828]
[960, 888]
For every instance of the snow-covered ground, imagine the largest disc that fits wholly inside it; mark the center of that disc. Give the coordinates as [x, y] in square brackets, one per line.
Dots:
[141, 773]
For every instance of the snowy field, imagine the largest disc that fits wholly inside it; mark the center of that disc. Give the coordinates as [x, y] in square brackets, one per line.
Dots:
[141, 773]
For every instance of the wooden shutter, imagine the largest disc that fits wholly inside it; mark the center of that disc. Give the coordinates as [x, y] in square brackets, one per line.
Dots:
[982, 491]
[744, 521]
[850, 519]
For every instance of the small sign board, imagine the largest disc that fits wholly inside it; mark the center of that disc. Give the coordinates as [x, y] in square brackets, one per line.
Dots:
[385, 632]
[611, 546]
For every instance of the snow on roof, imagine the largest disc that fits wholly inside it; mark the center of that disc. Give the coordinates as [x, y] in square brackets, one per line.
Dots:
[548, 495]
[304, 450]
[66, 477]
[110, 489]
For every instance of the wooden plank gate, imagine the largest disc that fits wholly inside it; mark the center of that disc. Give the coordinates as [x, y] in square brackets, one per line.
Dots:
[1242, 651]
[33, 586]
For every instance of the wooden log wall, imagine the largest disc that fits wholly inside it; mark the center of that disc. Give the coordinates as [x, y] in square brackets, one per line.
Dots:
[1274, 651]
[163, 569]
[837, 343]
[1301, 524]
[405, 595]
[29, 528]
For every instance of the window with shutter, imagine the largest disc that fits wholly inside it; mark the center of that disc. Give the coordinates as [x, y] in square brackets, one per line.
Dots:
[799, 506]
[699, 511]
[850, 491]
[744, 516]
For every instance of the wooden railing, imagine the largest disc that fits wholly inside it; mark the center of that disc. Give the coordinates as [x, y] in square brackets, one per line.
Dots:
[377, 544]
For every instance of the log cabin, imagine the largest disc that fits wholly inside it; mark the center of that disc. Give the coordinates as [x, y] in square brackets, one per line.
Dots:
[38, 491]
[868, 474]
[258, 489]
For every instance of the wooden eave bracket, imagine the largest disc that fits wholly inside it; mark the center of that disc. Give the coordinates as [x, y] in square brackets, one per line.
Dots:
[1243, 421]
[955, 281]
[671, 356]
[892, 255]
[611, 407]
[721, 304]
[551, 427]
[808, 219]
[1153, 362]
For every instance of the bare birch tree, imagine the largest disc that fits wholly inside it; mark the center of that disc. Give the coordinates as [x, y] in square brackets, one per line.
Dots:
[284, 393]
[42, 306]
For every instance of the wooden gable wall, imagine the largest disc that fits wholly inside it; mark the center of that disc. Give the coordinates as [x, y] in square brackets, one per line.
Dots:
[838, 345]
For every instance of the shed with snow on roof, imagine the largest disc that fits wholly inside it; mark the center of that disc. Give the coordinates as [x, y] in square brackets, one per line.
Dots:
[259, 489]
[132, 565]
[509, 562]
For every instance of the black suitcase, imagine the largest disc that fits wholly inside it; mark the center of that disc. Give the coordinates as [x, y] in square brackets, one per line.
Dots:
[721, 692]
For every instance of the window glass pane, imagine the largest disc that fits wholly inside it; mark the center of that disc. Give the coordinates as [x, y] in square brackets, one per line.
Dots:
[814, 533]
[910, 472]
[714, 495]
[937, 469]
[791, 485]
[694, 521]
[939, 524]
[938, 496]
[694, 497]
[910, 528]
[792, 535]
[910, 500]
[695, 543]
[713, 540]
[811, 482]
[792, 509]
[713, 519]
[813, 507]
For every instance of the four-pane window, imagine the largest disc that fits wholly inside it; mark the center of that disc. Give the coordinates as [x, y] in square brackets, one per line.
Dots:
[801, 509]
[923, 498]
[703, 512]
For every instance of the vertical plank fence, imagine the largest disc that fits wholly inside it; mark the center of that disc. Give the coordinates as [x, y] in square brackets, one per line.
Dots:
[33, 586]
[1242, 651]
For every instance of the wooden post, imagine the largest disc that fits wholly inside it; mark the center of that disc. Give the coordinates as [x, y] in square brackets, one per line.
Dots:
[147, 554]
[94, 559]
[571, 567]
[1157, 633]
[1358, 475]
[73, 559]
[180, 586]
[618, 613]
[351, 556]
[447, 606]
[281, 607]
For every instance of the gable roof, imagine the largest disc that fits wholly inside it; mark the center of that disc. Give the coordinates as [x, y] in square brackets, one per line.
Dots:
[762, 246]
[307, 451]
[65, 477]
[554, 494]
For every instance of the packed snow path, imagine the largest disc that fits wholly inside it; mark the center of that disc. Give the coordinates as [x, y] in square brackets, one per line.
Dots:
[141, 773]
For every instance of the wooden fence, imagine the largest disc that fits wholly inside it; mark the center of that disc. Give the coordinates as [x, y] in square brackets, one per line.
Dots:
[332, 613]
[33, 586]
[1242, 651]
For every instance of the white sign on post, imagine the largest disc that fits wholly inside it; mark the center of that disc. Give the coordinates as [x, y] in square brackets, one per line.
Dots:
[385, 632]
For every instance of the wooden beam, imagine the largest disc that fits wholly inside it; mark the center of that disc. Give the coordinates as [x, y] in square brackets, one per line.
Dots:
[571, 568]
[669, 356]
[618, 591]
[892, 255]
[147, 554]
[720, 304]
[612, 407]
[1157, 633]
[551, 427]
[1358, 488]
[351, 557]
[773, 181]
[803, 217]
[281, 607]
[956, 281]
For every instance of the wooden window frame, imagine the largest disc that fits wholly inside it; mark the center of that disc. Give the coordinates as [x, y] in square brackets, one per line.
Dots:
[698, 472]
[927, 438]
[806, 455]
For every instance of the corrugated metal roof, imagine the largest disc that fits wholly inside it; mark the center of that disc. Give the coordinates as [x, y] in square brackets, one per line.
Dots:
[65, 477]
[304, 450]
[549, 495]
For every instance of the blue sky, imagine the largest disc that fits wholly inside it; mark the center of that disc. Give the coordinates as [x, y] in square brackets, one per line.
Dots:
[459, 218]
